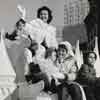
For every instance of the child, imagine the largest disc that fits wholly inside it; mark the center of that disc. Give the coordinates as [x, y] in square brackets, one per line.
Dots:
[66, 64]
[66, 61]
[33, 73]
[87, 77]
[18, 31]
[50, 65]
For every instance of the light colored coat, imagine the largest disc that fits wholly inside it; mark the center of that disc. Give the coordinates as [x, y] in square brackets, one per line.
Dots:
[68, 67]
[40, 31]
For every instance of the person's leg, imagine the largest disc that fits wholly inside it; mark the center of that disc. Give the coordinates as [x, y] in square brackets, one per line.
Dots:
[62, 92]
[53, 87]
[65, 94]
[97, 89]
[42, 76]
[75, 92]
[89, 93]
[97, 93]
[59, 92]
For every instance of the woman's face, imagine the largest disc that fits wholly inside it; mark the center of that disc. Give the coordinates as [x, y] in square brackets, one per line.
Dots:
[44, 15]
[91, 59]
[62, 53]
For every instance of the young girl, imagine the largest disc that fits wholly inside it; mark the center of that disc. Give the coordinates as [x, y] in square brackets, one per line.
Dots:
[50, 65]
[65, 60]
[66, 64]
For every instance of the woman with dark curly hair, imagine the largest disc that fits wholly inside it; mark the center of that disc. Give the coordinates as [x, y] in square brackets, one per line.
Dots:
[45, 14]
[40, 29]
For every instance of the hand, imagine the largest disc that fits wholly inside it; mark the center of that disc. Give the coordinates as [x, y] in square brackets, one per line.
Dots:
[57, 82]
[30, 82]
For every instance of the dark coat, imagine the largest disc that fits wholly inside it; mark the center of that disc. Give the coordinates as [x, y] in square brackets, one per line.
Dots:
[87, 75]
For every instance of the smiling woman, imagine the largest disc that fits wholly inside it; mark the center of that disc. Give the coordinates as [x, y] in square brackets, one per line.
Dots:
[39, 29]
[45, 14]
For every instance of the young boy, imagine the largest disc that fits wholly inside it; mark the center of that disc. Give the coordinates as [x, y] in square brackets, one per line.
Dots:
[87, 77]
[18, 31]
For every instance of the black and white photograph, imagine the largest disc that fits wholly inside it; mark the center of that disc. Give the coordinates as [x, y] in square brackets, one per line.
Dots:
[49, 50]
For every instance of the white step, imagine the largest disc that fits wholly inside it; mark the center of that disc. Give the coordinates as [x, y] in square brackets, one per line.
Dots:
[33, 92]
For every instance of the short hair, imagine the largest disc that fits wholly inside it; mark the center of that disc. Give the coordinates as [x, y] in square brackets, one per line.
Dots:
[20, 20]
[63, 47]
[50, 17]
[88, 53]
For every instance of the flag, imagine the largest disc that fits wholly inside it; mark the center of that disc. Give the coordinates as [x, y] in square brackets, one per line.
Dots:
[97, 64]
[78, 55]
